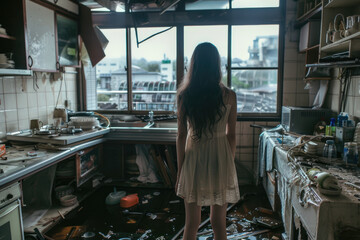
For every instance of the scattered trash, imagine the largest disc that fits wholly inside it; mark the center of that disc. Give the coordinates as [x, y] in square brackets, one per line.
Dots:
[129, 200]
[145, 235]
[156, 193]
[148, 196]
[166, 209]
[264, 210]
[152, 216]
[131, 221]
[268, 222]
[232, 228]
[88, 235]
[275, 238]
[175, 201]
[108, 235]
[160, 238]
[170, 219]
[145, 201]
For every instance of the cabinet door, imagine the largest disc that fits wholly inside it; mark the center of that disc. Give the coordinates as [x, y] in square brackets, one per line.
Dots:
[41, 37]
[67, 37]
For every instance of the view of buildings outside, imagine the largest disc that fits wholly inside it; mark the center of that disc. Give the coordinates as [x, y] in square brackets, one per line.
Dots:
[253, 75]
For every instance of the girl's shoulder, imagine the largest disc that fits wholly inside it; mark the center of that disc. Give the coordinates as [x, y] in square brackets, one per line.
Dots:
[228, 95]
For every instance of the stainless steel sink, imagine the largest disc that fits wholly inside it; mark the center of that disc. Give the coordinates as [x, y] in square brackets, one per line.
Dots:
[144, 125]
[129, 124]
[164, 125]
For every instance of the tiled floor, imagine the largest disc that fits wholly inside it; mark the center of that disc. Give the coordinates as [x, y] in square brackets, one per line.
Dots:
[159, 215]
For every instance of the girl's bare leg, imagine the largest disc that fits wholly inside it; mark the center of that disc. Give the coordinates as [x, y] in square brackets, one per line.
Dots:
[218, 221]
[192, 220]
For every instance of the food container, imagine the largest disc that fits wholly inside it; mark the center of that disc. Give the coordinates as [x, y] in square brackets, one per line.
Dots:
[63, 190]
[129, 201]
[68, 200]
[114, 197]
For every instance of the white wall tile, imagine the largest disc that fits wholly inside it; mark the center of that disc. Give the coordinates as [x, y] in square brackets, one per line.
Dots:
[24, 124]
[9, 84]
[11, 116]
[2, 117]
[22, 100]
[357, 107]
[356, 87]
[41, 98]
[349, 108]
[10, 101]
[23, 114]
[290, 70]
[1, 86]
[2, 102]
[2, 130]
[50, 98]
[289, 86]
[12, 126]
[32, 100]
[289, 99]
[33, 113]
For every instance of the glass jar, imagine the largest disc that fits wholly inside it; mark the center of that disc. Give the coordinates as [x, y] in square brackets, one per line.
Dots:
[351, 154]
[329, 150]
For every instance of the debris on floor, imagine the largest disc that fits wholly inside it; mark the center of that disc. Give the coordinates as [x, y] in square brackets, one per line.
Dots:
[159, 215]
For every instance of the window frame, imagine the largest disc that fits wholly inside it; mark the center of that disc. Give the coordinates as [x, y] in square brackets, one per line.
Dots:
[181, 18]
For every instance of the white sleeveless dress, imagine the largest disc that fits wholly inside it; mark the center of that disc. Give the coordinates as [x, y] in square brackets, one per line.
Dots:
[208, 176]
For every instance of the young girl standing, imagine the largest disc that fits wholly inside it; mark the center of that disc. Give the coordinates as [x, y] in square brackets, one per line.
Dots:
[206, 143]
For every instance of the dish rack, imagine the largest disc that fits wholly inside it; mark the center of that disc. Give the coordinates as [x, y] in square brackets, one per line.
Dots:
[85, 123]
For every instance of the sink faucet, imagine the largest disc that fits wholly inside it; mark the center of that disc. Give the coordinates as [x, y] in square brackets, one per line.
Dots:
[151, 117]
[151, 120]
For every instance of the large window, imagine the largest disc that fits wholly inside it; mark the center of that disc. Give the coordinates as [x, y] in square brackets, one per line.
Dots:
[254, 67]
[153, 69]
[154, 51]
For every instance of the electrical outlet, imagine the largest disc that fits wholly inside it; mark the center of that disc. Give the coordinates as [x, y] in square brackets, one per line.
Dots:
[67, 104]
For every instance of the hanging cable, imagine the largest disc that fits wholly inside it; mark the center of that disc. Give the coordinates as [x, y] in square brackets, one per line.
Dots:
[107, 120]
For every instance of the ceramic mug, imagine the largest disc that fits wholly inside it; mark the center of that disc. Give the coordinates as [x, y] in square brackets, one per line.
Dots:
[35, 124]
[337, 35]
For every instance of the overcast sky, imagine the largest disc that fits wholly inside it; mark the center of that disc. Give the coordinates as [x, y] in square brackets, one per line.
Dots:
[162, 44]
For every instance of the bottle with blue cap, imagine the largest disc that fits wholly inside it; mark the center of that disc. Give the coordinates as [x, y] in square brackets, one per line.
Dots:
[329, 150]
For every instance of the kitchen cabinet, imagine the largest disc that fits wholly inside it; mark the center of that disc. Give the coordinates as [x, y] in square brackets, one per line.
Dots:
[13, 40]
[334, 17]
[67, 39]
[41, 37]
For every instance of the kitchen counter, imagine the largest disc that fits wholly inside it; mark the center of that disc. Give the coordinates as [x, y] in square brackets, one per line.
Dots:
[324, 216]
[16, 169]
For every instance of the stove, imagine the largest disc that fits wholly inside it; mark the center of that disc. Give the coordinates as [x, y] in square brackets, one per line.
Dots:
[64, 136]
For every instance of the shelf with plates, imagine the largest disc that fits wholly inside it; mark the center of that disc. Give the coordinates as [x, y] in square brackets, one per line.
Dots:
[339, 37]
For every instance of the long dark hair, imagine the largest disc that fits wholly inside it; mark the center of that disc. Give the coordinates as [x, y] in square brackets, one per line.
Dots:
[200, 98]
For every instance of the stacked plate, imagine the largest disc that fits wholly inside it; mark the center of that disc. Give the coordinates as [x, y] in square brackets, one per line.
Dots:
[311, 148]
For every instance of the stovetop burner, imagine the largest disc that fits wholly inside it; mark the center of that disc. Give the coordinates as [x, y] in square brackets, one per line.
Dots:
[58, 131]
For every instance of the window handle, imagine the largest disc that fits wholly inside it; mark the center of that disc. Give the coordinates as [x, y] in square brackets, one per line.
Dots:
[125, 68]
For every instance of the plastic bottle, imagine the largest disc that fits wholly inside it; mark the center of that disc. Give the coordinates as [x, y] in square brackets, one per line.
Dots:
[333, 126]
[343, 116]
[326, 149]
[331, 149]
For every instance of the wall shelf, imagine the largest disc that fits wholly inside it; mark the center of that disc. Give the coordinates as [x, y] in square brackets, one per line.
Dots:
[314, 13]
[340, 64]
[15, 72]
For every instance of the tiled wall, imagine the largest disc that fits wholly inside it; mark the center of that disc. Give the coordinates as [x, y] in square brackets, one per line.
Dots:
[294, 94]
[353, 100]
[25, 98]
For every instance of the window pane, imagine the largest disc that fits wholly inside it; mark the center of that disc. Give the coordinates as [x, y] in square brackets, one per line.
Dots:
[154, 69]
[255, 46]
[254, 3]
[110, 72]
[217, 35]
[207, 4]
[256, 90]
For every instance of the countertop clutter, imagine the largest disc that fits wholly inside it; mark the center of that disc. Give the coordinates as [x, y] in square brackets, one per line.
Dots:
[323, 191]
